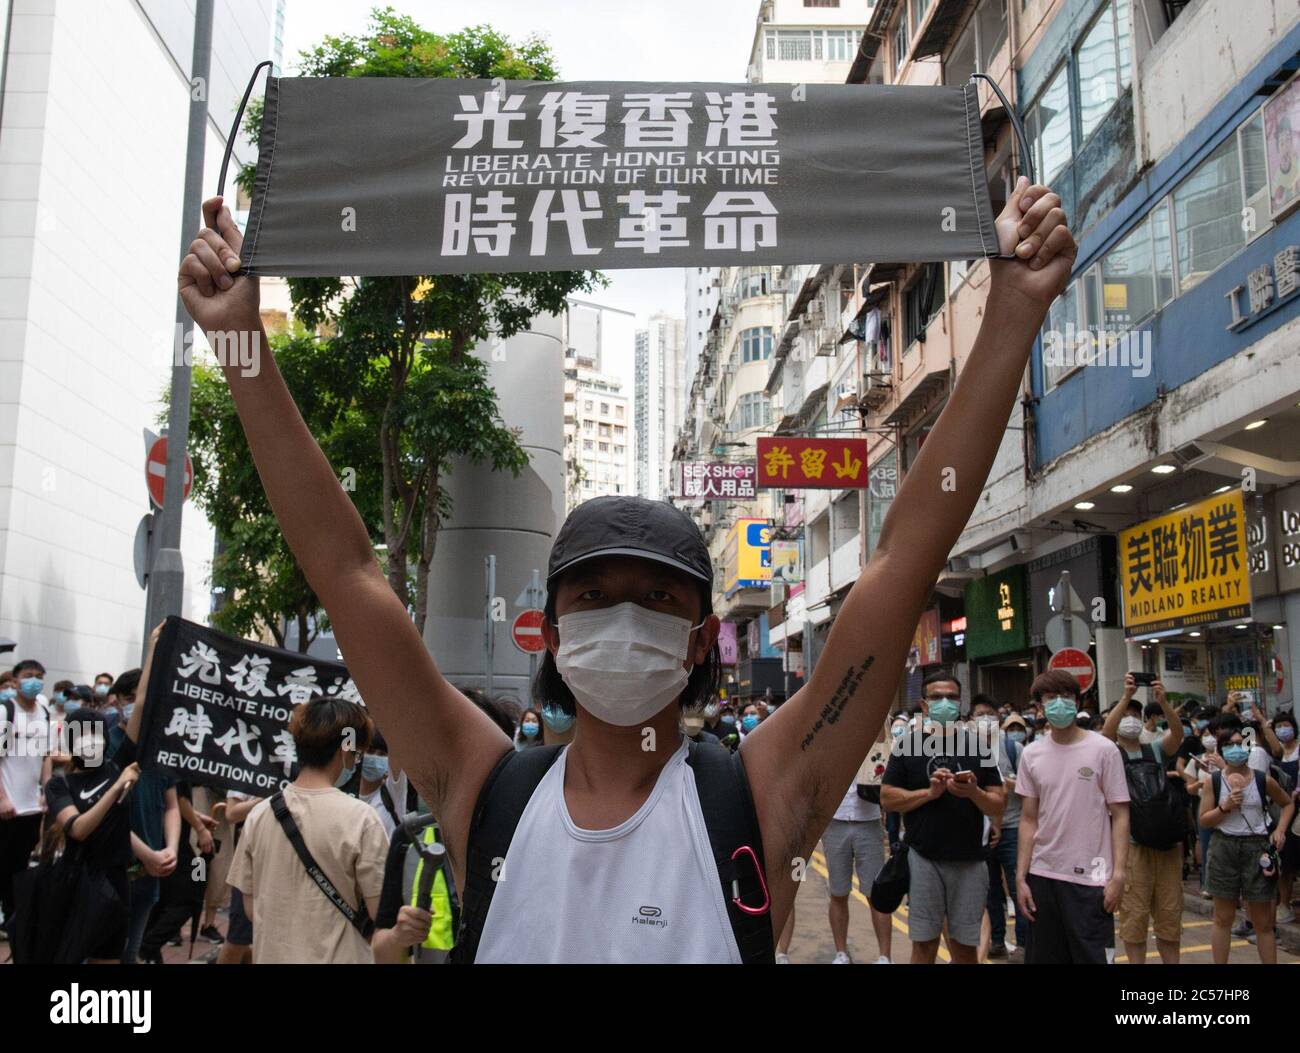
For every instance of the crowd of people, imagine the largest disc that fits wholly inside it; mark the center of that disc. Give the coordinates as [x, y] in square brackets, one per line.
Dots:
[1085, 823]
[1031, 834]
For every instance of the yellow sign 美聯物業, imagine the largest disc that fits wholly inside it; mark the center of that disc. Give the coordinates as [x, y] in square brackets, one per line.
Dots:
[1187, 567]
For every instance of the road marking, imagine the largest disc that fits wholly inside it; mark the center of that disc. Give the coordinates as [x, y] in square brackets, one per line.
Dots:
[1194, 950]
[819, 865]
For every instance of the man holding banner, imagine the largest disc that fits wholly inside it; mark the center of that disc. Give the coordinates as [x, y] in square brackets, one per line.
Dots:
[631, 639]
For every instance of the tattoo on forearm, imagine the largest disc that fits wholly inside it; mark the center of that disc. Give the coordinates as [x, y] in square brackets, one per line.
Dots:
[834, 709]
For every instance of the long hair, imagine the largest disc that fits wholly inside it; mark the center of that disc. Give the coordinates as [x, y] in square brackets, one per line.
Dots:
[549, 688]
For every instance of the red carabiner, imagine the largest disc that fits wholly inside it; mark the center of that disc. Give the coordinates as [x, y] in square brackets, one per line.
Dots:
[735, 884]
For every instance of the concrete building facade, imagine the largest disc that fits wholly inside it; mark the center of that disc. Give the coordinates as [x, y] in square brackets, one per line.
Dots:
[86, 331]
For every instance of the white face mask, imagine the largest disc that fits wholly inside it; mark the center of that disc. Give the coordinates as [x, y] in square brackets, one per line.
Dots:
[1209, 742]
[1130, 727]
[623, 663]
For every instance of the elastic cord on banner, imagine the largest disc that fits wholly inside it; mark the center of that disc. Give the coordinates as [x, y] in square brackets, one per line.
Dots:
[234, 128]
[1026, 157]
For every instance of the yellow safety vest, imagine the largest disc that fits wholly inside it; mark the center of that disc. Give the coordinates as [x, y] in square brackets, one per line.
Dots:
[442, 933]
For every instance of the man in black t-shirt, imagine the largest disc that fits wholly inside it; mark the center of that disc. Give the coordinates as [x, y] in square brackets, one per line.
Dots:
[945, 785]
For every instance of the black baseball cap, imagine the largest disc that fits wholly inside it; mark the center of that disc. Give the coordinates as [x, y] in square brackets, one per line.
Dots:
[630, 526]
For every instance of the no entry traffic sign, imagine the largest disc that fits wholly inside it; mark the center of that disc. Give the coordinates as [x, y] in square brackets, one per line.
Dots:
[155, 472]
[1077, 664]
[526, 631]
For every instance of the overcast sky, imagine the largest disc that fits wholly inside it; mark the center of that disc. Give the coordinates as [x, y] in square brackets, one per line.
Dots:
[671, 40]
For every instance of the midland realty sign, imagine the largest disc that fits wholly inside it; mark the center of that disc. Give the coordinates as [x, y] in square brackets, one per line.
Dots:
[1186, 568]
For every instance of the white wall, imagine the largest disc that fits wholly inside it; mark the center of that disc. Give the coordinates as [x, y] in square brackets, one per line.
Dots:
[91, 170]
[1202, 56]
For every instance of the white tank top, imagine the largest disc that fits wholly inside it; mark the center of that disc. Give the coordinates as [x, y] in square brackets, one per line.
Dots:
[646, 890]
[1249, 818]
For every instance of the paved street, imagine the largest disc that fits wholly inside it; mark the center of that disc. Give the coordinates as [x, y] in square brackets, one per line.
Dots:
[812, 942]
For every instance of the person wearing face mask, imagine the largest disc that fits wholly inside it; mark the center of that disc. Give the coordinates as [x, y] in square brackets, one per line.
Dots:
[1243, 860]
[1196, 771]
[1284, 730]
[557, 726]
[530, 730]
[1074, 822]
[294, 919]
[631, 640]
[154, 809]
[102, 687]
[377, 788]
[25, 767]
[728, 731]
[944, 791]
[750, 718]
[693, 725]
[1153, 891]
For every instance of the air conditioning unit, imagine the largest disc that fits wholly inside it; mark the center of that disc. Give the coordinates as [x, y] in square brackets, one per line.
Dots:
[876, 389]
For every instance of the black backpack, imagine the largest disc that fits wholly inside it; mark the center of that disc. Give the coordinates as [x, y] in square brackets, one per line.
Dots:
[1157, 818]
[729, 816]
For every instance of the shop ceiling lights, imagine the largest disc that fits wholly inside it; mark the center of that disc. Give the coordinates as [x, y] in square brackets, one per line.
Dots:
[1164, 469]
[1121, 488]
[1085, 506]
[1256, 424]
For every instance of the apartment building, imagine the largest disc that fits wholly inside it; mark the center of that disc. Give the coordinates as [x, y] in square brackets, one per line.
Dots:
[1165, 381]
[598, 436]
[731, 400]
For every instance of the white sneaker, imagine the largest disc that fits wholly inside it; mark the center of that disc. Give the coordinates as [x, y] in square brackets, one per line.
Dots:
[841, 958]
[1286, 917]
[884, 959]
[782, 958]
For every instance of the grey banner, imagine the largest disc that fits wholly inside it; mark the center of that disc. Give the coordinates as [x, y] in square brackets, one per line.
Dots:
[374, 176]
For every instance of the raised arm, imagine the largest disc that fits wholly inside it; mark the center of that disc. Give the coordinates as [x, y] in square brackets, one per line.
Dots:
[802, 759]
[442, 740]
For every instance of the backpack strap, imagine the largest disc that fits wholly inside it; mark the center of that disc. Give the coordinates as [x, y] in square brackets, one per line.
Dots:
[360, 918]
[505, 794]
[387, 799]
[1216, 781]
[729, 816]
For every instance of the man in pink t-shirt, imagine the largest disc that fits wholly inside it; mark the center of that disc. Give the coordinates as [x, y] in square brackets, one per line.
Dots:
[1073, 832]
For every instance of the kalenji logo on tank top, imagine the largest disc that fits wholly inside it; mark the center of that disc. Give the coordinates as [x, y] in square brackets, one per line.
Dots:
[650, 916]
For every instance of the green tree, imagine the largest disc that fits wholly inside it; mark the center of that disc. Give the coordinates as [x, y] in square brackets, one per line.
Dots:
[408, 339]
[261, 582]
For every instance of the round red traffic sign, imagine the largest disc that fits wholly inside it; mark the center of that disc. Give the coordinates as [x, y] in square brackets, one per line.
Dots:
[155, 472]
[1077, 664]
[526, 631]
